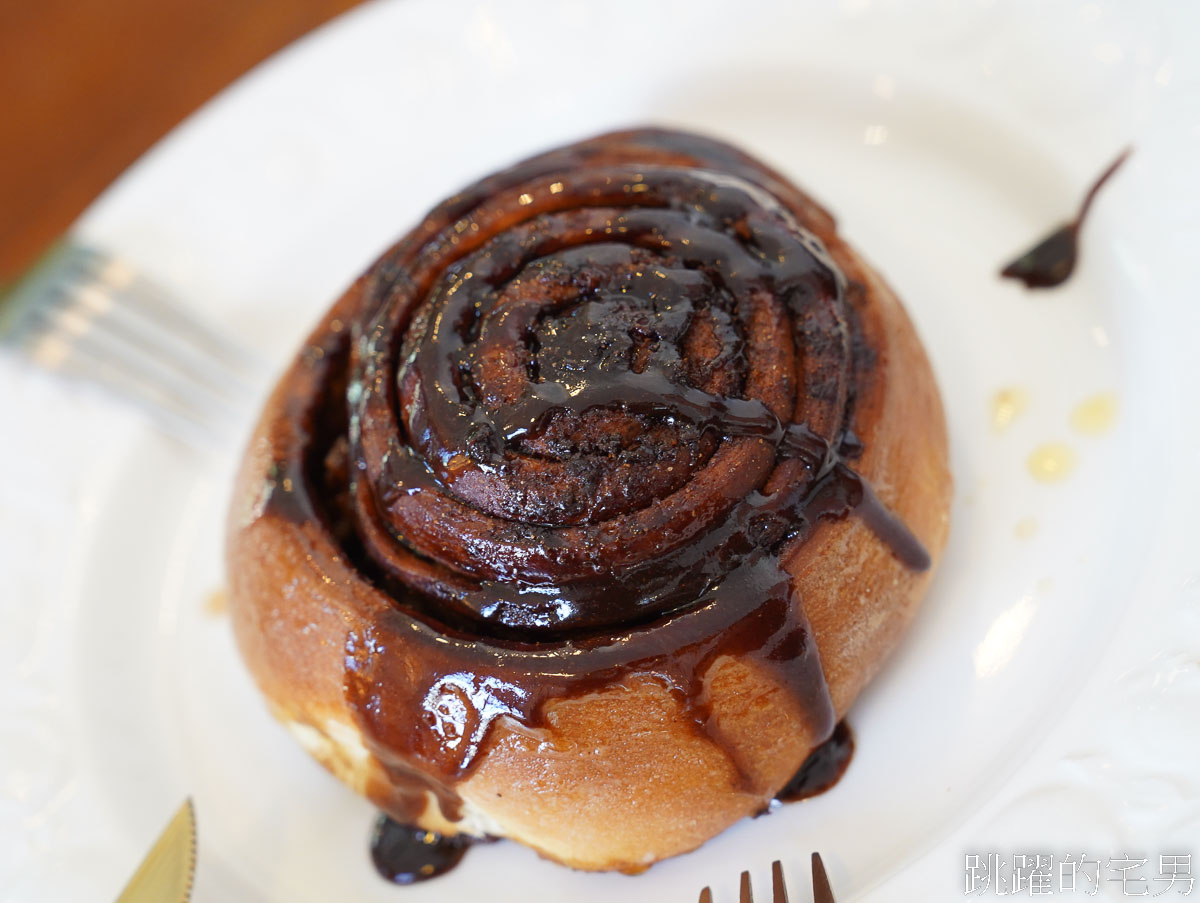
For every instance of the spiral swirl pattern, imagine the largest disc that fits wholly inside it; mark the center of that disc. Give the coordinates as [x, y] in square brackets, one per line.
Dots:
[583, 391]
[568, 427]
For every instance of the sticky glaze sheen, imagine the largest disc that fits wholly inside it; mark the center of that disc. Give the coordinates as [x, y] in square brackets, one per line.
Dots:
[823, 768]
[405, 855]
[587, 412]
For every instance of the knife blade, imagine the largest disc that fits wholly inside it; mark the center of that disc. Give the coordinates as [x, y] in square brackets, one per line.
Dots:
[165, 875]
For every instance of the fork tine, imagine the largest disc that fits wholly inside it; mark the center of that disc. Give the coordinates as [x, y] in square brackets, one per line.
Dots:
[778, 888]
[144, 300]
[122, 278]
[88, 315]
[177, 415]
[822, 892]
[171, 359]
[174, 348]
[67, 341]
[779, 892]
[115, 290]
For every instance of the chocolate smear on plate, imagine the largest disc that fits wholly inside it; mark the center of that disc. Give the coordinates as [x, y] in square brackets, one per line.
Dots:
[1052, 260]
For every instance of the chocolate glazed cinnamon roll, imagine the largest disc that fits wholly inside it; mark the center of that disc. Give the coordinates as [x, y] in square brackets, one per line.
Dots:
[589, 509]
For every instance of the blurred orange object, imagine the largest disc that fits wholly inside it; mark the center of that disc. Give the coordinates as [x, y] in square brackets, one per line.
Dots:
[88, 85]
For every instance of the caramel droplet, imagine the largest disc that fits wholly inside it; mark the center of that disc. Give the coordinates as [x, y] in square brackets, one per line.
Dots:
[1051, 462]
[217, 603]
[1026, 527]
[1094, 416]
[1007, 405]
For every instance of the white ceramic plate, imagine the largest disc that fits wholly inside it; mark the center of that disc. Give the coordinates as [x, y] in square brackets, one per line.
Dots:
[1046, 700]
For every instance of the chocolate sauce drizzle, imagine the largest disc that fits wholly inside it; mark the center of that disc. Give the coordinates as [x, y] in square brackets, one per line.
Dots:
[581, 420]
[405, 855]
[1052, 260]
[822, 769]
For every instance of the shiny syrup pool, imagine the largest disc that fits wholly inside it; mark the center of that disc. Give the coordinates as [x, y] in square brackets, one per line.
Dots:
[823, 768]
[405, 855]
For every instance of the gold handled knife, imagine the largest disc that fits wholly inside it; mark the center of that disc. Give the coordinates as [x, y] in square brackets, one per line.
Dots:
[165, 875]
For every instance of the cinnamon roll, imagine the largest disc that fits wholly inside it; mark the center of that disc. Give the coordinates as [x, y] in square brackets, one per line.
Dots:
[587, 511]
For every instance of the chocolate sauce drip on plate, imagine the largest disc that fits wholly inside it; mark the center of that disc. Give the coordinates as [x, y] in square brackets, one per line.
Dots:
[584, 415]
[1052, 260]
[405, 855]
[823, 768]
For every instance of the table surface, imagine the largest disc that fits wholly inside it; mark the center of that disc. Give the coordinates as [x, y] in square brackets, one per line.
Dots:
[91, 84]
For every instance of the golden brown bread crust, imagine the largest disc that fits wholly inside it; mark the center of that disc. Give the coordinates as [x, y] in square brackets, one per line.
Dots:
[617, 777]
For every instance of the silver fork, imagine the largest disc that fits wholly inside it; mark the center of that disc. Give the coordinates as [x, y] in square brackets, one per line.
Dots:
[87, 314]
[821, 890]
